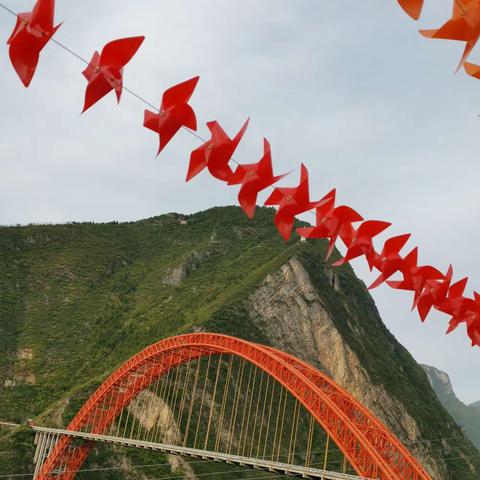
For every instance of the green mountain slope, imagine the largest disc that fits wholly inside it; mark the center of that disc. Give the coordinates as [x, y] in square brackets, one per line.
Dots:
[78, 300]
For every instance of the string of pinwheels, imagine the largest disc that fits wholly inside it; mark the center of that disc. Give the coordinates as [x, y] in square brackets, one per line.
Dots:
[463, 26]
[431, 288]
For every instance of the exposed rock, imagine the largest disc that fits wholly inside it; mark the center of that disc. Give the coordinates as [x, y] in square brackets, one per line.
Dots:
[57, 413]
[25, 377]
[178, 274]
[25, 354]
[440, 382]
[130, 472]
[179, 217]
[179, 463]
[151, 411]
[467, 416]
[291, 312]
[53, 417]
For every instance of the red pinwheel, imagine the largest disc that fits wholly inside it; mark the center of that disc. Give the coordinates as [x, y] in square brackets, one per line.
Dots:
[216, 153]
[360, 242]
[434, 293]
[105, 71]
[473, 330]
[331, 222]
[464, 25]
[455, 304]
[390, 261]
[472, 69]
[254, 177]
[473, 321]
[416, 277]
[463, 309]
[175, 112]
[412, 7]
[32, 32]
[291, 202]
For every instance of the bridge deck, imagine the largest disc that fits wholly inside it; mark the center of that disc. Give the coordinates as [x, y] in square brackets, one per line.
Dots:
[283, 468]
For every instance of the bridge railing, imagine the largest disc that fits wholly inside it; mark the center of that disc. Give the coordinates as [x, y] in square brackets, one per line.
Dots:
[47, 437]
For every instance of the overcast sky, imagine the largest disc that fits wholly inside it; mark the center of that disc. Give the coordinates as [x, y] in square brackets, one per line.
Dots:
[349, 88]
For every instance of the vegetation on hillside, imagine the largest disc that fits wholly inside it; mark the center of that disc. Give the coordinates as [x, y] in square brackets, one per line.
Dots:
[77, 300]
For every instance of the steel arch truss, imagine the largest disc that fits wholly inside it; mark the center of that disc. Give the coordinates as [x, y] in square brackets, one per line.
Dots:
[372, 450]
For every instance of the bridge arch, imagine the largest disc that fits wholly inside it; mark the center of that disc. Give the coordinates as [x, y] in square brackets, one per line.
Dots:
[372, 450]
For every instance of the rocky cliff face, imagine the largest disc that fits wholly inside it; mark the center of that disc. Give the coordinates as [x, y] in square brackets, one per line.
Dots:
[294, 313]
[467, 416]
[76, 301]
[441, 384]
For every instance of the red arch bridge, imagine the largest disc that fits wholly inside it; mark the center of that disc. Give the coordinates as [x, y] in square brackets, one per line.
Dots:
[217, 397]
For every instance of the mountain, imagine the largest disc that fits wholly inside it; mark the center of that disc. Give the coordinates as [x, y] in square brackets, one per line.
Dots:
[77, 300]
[475, 405]
[467, 416]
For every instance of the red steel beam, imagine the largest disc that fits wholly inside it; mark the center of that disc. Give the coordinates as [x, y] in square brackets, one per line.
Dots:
[369, 446]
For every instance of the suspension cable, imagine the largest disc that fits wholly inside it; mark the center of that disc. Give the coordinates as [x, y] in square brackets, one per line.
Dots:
[186, 381]
[205, 383]
[267, 430]
[259, 396]
[192, 400]
[236, 401]
[213, 401]
[224, 400]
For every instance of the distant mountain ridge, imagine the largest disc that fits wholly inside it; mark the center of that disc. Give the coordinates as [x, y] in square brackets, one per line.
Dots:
[475, 405]
[467, 416]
